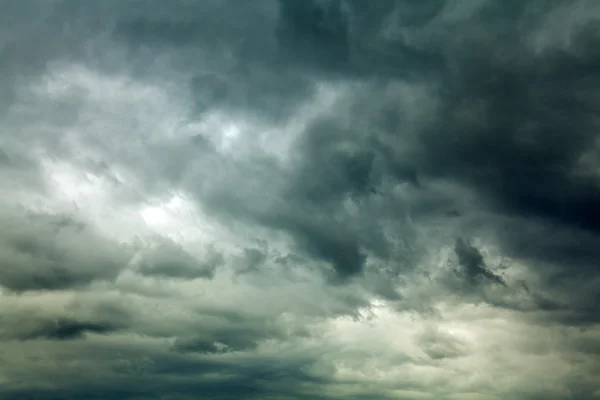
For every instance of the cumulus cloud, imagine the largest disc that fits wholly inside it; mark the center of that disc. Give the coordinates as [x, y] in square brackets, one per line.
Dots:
[291, 199]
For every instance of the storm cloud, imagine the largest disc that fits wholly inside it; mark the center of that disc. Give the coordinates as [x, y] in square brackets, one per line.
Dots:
[290, 199]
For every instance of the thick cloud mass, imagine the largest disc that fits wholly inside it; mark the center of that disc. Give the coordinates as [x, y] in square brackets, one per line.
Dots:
[300, 199]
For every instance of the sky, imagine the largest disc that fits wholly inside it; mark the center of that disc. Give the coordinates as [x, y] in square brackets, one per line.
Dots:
[299, 199]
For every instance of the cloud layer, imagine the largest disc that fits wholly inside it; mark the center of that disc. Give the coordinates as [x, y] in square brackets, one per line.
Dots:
[300, 199]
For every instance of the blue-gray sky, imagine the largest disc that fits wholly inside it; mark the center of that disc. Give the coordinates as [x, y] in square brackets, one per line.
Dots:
[300, 199]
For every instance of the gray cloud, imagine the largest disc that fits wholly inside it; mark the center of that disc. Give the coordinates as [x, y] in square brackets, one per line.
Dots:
[60, 320]
[263, 200]
[439, 345]
[473, 266]
[167, 259]
[53, 252]
[63, 329]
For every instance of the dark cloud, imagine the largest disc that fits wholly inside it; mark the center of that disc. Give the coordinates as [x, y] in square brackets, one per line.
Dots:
[327, 242]
[222, 331]
[515, 122]
[167, 259]
[73, 321]
[252, 260]
[263, 379]
[314, 162]
[514, 125]
[314, 32]
[53, 252]
[472, 265]
[223, 340]
[236, 43]
[64, 329]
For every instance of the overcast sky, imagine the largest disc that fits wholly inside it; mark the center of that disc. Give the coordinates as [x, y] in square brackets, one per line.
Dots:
[299, 199]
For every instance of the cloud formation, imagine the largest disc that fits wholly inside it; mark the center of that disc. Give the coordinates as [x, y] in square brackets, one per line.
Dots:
[297, 199]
